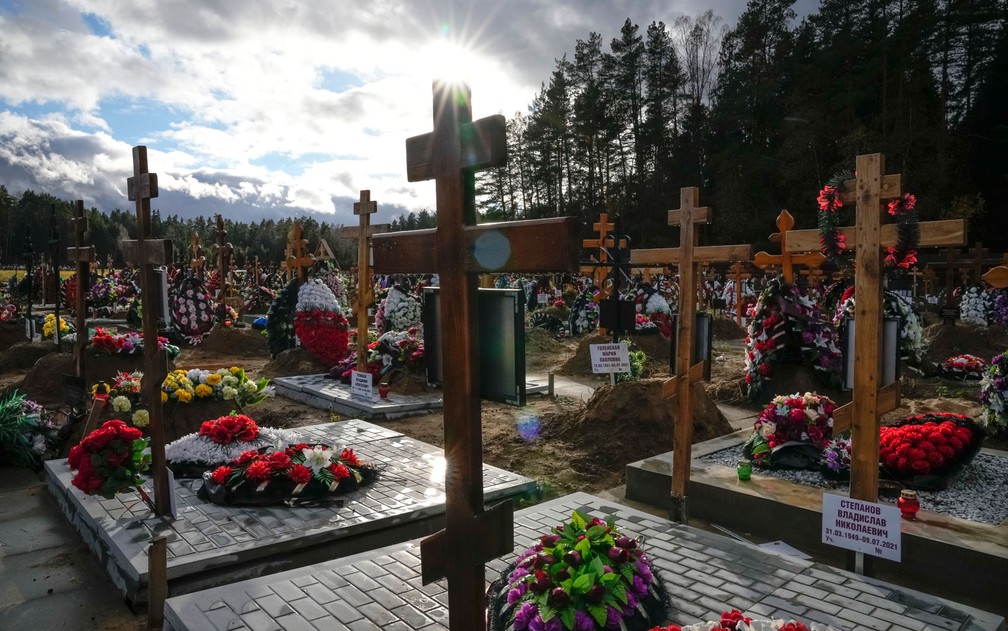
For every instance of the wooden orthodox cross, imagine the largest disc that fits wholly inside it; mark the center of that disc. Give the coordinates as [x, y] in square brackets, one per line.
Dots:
[868, 237]
[977, 264]
[688, 256]
[786, 259]
[297, 260]
[459, 251]
[603, 227]
[365, 293]
[224, 251]
[83, 254]
[148, 252]
[198, 260]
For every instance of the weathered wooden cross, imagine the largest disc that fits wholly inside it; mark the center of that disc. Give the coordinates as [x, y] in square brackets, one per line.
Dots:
[787, 259]
[977, 264]
[867, 237]
[198, 260]
[687, 256]
[83, 254]
[365, 292]
[459, 251]
[297, 261]
[148, 252]
[224, 251]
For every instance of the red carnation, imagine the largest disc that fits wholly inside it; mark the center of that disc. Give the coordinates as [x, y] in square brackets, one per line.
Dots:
[829, 199]
[339, 470]
[300, 474]
[221, 474]
[246, 457]
[350, 457]
[279, 460]
[258, 470]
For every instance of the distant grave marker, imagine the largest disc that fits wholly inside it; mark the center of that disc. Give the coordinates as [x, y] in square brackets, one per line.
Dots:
[83, 255]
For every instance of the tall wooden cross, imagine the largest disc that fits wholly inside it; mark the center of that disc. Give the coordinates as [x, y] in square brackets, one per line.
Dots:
[148, 252]
[868, 237]
[198, 260]
[688, 256]
[297, 260]
[977, 264]
[224, 251]
[365, 293]
[459, 251]
[83, 254]
[739, 275]
[786, 259]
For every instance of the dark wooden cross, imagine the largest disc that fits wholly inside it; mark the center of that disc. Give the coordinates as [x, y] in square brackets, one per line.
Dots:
[224, 251]
[977, 264]
[867, 237]
[739, 275]
[459, 250]
[83, 255]
[198, 260]
[365, 294]
[147, 253]
[603, 228]
[297, 261]
[786, 259]
[687, 256]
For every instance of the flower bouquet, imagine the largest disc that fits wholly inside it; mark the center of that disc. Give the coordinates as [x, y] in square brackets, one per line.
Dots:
[925, 451]
[280, 319]
[110, 460]
[320, 324]
[964, 367]
[791, 432]
[49, 327]
[735, 620]
[192, 310]
[27, 433]
[131, 343]
[585, 575]
[975, 306]
[221, 440]
[398, 312]
[584, 313]
[994, 395]
[289, 475]
[836, 458]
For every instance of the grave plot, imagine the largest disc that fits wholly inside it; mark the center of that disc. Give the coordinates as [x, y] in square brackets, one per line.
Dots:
[704, 573]
[212, 545]
[327, 394]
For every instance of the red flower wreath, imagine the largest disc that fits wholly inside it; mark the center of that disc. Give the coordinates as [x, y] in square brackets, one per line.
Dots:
[926, 444]
[229, 429]
[325, 334]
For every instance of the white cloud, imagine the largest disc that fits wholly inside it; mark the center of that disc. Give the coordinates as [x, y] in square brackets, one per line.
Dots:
[222, 92]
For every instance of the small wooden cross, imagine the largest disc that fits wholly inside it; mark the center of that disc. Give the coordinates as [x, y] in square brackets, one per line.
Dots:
[147, 252]
[739, 275]
[198, 260]
[459, 251]
[786, 259]
[84, 255]
[365, 294]
[224, 251]
[297, 261]
[867, 237]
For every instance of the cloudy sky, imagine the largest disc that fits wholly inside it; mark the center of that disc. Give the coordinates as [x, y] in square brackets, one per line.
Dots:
[268, 108]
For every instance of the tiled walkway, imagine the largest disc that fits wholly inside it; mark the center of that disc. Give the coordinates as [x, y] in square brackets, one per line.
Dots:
[705, 573]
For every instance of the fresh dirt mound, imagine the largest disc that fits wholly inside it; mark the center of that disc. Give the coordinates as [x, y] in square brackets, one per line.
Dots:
[293, 361]
[23, 355]
[913, 407]
[728, 329]
[788, 378]
[654, 345]
[630, 421]
[12, 332]
[44, 381]
[543, 351]
[948, 341]
[229, 342]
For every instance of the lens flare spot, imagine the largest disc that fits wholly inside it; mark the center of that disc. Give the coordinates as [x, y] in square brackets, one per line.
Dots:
[528, 428]
[492, 250]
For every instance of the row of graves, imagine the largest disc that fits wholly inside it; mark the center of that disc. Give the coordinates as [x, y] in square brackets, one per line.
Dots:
[235, 525]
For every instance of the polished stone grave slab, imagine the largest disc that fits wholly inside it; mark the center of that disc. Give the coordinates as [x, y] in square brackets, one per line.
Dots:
[209, 545]
[331, 395]
[705, 573]
[945, 552]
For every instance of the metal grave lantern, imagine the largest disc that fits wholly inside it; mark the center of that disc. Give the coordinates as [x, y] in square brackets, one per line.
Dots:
[890, 360]
[703, 342]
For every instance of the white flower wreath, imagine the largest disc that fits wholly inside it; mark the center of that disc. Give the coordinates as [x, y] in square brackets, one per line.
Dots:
[975, 306]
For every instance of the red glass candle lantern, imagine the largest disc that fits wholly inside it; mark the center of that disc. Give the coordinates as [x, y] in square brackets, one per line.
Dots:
[908, 504]
[383, 390]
